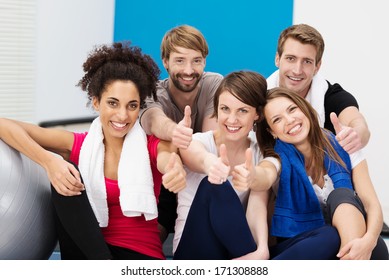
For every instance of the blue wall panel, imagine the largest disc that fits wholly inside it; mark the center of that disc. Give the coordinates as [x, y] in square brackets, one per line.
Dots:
[240, 36]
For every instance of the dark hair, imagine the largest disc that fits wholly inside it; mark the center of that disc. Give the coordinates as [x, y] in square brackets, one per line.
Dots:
[250, 88]
[247, 86]
[119, 61]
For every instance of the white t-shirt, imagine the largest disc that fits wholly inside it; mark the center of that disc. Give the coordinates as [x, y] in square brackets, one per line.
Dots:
[322, 193]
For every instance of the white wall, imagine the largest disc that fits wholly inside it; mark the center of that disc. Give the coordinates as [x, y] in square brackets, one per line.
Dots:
[355, 33]
[66, 31]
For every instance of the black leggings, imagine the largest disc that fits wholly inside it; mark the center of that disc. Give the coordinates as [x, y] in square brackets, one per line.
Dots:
[79, 233]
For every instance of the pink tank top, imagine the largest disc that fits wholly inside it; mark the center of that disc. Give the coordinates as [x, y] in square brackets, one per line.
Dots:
[134, 233]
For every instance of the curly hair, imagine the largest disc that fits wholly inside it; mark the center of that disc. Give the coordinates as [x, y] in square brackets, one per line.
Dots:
[119, 61]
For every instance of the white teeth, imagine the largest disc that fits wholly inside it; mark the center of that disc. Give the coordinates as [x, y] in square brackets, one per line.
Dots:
[187, 78]
[232, 128]
[295, 79]
[121, 125]
[294, 129]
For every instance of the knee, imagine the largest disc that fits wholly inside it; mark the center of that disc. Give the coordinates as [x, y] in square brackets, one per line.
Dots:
[344, 202]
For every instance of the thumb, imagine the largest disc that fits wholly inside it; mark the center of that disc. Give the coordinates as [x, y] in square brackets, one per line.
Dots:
[172, 162]
[223, 154]
[187, 116]
[336, 123]
[249, 159]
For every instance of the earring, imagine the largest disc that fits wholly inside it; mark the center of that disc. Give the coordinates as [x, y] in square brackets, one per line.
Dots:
[255, 126]
[275, 137]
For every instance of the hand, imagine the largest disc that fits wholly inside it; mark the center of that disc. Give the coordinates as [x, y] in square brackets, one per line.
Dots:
[64, 177]
[356, 249]
[347, 136]
[219, 169]
[182, 133]
[174, 178]
[243, 175]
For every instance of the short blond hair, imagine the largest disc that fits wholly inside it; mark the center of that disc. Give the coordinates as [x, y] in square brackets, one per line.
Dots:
[305, 34]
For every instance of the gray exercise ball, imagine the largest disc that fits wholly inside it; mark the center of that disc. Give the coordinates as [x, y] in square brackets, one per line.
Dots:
[27, 226]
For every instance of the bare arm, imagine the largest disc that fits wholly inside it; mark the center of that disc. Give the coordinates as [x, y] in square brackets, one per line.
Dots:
[169, 164]
[194, 157]
[36, 143]
[154, 121]
[256, 215]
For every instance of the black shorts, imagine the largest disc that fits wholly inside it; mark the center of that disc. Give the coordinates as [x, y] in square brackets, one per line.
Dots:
[343, 195]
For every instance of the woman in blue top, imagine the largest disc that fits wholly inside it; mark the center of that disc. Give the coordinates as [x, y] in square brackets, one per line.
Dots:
[321, 187]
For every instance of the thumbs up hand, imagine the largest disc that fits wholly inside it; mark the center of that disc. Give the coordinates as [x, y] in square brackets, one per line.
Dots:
[174, 178]
[243, 175]
[218, 168]
[182, 134]
[347, 136]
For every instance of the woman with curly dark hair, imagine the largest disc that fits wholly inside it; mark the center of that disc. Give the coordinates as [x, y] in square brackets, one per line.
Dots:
[107, 207]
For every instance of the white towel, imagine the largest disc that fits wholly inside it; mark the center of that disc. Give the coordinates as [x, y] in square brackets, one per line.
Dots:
[135, 179]
[315, 94]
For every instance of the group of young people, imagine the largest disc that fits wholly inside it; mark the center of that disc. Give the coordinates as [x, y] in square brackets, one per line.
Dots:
[237, 167]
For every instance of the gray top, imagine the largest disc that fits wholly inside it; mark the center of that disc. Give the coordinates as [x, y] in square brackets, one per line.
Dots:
[204, 100]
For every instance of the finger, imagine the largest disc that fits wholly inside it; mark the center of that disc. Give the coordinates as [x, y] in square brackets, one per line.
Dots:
[182, 136]
[215, 180]
[171, 178]
[76, 179]
[65, 183]
[62, 189]
[249, 159]
[187, 116]
[71, 188]
[347, 144]
[336, 123]
[176, 185]
[240, 173]
[344, 250]
[350, 150]
[171, 163]
[239, 178]
[185, 137]
[223, 154]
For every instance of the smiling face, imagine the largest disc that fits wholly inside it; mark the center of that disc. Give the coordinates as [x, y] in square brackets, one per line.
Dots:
[118, 108]
[185, 68]
[235, 118]
[286, 121]
[297, 65]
